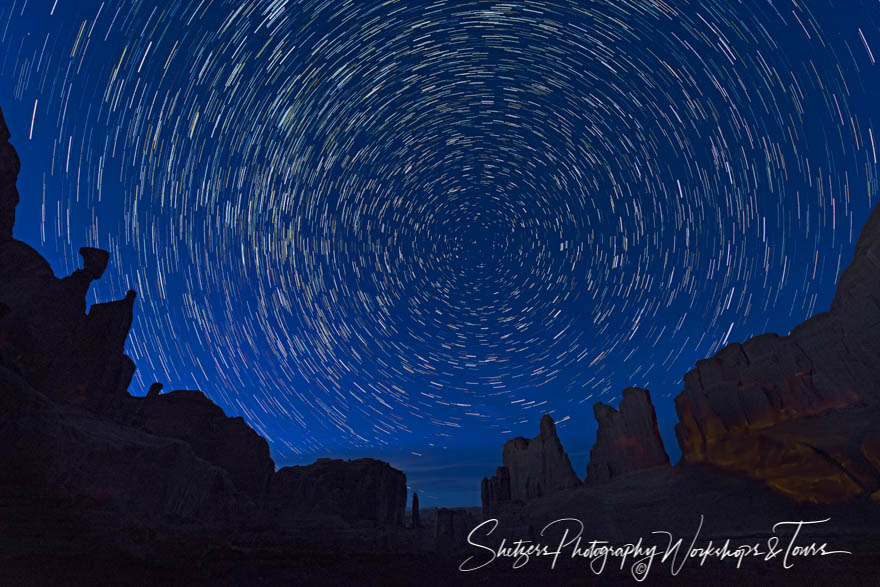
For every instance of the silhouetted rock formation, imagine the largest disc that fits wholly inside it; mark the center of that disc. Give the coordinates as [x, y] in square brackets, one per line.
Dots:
[416, 520]
[228, 443]
[733, 402]
[451, 529]
[68, 457]
[495, 493]
[46, 335]
[353, 490]
[9, 168]
[532, 468]
[627, 440]
[70, 432]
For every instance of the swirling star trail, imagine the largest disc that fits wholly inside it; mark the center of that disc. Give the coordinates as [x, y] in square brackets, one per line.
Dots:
[414, 225]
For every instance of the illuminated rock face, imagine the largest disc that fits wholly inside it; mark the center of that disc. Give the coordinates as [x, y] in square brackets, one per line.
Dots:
[627, 440]
[733, 402]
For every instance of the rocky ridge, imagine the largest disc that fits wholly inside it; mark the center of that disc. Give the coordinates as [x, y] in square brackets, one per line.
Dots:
[71, 431]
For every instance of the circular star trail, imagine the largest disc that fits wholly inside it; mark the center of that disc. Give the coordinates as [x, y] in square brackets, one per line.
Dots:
[365, 224]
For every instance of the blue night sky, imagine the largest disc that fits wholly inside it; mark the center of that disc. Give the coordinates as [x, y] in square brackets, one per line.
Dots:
[407, 229]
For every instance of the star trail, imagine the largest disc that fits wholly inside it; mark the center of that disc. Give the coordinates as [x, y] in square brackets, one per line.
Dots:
[413, 226]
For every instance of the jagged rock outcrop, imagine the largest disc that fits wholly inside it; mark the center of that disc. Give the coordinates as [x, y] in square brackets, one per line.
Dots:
[69, 457]
[45, 333]
[627, 440]
[66, 375]
[9, 169]
[732, 402]
[532, 468]
[65, 406]
[495, 493]
[538, 466]
[353, 490]
[228, 443]
[155, 390]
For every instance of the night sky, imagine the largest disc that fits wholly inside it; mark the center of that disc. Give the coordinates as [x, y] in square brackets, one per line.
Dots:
[408, 229]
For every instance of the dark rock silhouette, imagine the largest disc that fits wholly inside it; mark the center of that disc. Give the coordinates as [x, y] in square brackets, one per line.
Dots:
[45, 333]
[70, 432]
[451, 529]
[9, 169]
[155, 389]
[416, 519]
[495, 493]
[538, 466]
[225, 442]
[532, 468]
[740, 409]
[627, 440]
[353, 490]
[70, 457]
[63, 352]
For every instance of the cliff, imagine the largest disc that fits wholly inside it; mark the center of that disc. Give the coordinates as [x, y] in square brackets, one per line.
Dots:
[788, 409]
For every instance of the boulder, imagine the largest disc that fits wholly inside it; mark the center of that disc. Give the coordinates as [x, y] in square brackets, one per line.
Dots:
[361, 490]
[627, 440]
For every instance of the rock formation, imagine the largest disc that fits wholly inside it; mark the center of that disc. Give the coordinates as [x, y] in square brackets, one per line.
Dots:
[9, 168]
[627, 440]
[62, 456]
[452, 526]
[538, 466]
[353, 490]
[495, 493]
[45, 333]
[228, 443]
[69, 428]
[64, 352]
[532, 468]
[733, 402]
[416, 519]
[155, 390]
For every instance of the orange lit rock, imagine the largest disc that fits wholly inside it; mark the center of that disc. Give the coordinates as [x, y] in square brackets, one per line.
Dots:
[734, 403]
